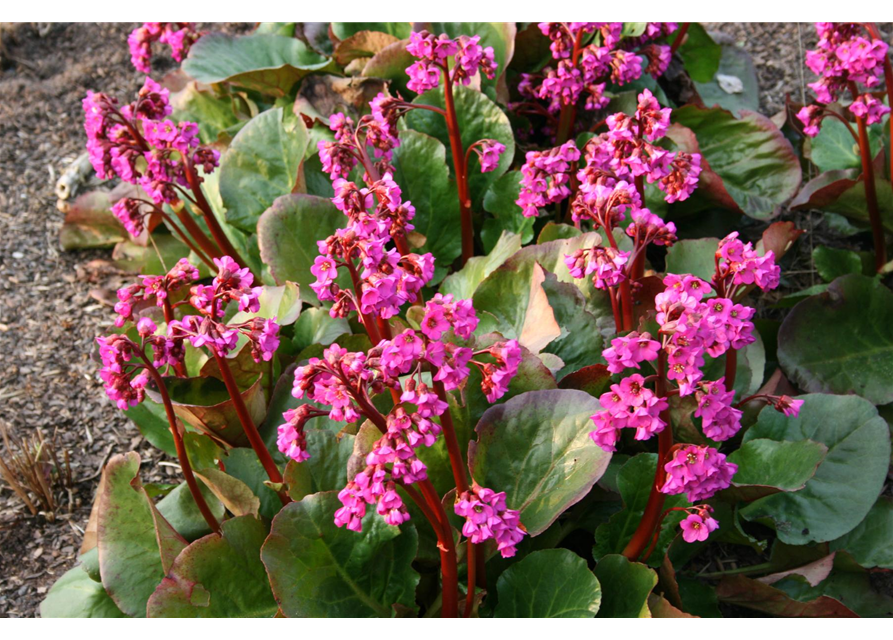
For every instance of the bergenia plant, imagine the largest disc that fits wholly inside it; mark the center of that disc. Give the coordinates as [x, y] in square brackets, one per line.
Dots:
[621, 383]
[852, 63]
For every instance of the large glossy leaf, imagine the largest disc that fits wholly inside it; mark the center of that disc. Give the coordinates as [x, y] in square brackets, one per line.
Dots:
[479, 118]
[841, 341]
[463, 283]
[580, 342]
[287, 233]
[848, 481]
[421, 171]
[75, 595]
[213, 115]
[700, 53]
[218, 576]
[326, 470]
[835, 148]
[390, 64]
[833, 263]
[267, 63]
[769, 466]
[260, 165]
[634, 482]
[626, 586]
[319, 570]
[871, 542]
[552, 583]
[694, 256]
[243, 464]
[130, 560]
[735, 86]
[536, 448]
[344, 30]
[757, 164]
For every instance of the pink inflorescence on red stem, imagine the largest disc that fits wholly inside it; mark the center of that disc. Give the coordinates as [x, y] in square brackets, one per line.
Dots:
[433, 53]
[179, 36]
[607, 58]
[844, 56]
[697, 319]
[139, 145]
[698, 524]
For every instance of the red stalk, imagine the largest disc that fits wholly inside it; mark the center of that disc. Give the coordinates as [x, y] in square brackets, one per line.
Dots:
[652, 516]
[251, 432]
[182, 456]
[680, 36]
[731, 368]
[460, 168]
[874, 215]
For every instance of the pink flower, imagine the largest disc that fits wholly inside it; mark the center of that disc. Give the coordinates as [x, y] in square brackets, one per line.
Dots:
[489, 153]
[487, 517]
[696, 528]
[699, 471]
[630, 350]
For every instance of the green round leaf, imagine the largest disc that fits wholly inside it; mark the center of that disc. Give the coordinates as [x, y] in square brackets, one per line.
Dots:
[696, 257]
[463, 283]
[767, 466]
[320, 570]
[845, 485]
[260, 165]
[75, 595]
[390, 64]
[626, 586]
[841, 341]
[287, 233]
[756, 163]
[270, 64]
[552, 583]
[835, 148]
[735, 85]
[536, 448]
[179, 508]
[700, 53]
[834, 263]
[421, 171]
[870, 542]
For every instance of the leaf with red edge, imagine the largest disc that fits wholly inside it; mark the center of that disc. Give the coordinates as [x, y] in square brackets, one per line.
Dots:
[218, 576]
[363, 44]
[660, 607]
[825, 189]
[779, 237]
[757, 165]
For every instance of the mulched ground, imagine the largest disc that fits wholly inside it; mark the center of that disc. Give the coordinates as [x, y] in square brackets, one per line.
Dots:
[48, 320]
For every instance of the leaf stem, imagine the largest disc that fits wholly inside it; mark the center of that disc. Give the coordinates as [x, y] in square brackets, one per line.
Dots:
[460, 167]
[874, 215]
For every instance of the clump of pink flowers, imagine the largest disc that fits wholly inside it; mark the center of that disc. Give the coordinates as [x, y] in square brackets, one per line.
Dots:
[697, 319]
[587, 56]
[179, 36]
[433, 53]
[137, 143]
[487, 517]
[844, 59]
[125, 362]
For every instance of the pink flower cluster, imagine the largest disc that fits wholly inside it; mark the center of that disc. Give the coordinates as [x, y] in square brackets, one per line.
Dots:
[488, 152]
[698, 471]
[720, 420]
[153, 288]
[433, 53]
[546, 177]
[487, 517]
[740, 265]
[844, 56]
[585, 71]
[698, 524]
[385, 279]
[629, 404]
[345, 381]
[140, 146]
[180, 36]
[231, 284]
[626, 151]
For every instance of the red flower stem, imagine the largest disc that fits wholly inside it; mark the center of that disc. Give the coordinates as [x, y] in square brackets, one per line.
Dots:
[182, 456]
[874, 215]
[251, 432]
[460, 168]
[216, 231]
[651, 517]
[680, 36]
[626, 298]
[569, 111]
[480, 559]
[189, 243]
[888, 81]
[438, 518]
[731, 367]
